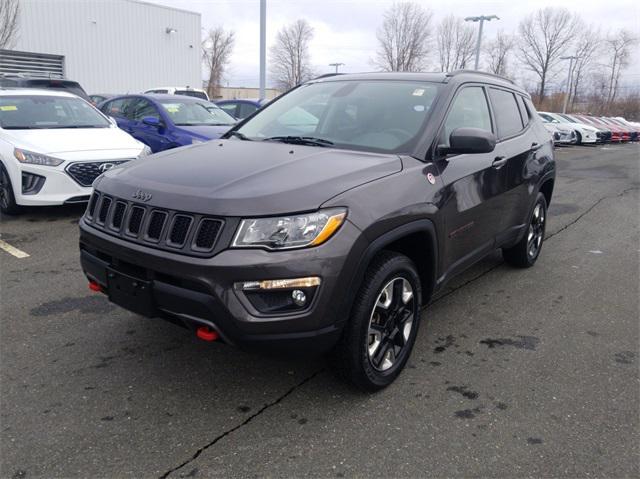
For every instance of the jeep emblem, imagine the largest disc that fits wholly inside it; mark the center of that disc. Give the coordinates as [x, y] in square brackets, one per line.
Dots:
[142, 196]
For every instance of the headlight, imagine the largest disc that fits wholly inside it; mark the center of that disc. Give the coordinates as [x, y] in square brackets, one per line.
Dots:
[35, 158]
[295, 231]
[146, 151]
[195, 141]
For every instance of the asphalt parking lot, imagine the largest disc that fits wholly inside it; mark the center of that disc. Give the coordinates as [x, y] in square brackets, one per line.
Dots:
[514, 373]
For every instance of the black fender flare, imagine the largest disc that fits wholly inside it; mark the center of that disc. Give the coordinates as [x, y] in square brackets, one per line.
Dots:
[381, 242]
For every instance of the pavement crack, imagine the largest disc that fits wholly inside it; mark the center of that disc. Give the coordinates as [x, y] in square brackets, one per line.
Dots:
[588, 210]
[242, 424]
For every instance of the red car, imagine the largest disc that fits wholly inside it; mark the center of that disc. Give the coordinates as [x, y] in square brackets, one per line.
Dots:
[616, 131]
[634, 131]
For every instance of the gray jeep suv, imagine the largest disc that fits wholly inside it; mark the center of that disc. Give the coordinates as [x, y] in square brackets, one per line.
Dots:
[327, 220]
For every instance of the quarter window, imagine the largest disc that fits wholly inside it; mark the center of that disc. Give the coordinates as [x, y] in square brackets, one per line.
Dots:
[469, 110]
[506, 111]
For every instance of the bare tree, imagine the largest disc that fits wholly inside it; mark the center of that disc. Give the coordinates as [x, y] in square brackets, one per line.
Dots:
[456, 43]
[290, 60]
[498, 52]
[587, 46]
[545, 36]
[619, 45]
[9, 11]
[216, 54]
[404, 38]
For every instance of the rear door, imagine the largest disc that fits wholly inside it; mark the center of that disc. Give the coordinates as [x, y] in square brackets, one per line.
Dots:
[516, 147]
[474, 186]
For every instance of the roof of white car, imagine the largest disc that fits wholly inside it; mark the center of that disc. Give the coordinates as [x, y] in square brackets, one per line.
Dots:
[34, 92]
[175, 88]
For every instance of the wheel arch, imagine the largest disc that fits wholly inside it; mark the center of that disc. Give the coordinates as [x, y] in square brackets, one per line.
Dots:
[416, 240]
[546, 188]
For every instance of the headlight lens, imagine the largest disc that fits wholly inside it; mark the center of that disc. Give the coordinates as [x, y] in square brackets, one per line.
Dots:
[286, 232]
[30, 157]
[146, 151]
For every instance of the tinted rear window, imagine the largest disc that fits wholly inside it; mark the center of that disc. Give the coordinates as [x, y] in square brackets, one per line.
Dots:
[506, 112]
[195, 94]
[61, 85]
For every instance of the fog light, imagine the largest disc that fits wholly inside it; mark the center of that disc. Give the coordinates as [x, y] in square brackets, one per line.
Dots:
[307, 282]
[299, 298]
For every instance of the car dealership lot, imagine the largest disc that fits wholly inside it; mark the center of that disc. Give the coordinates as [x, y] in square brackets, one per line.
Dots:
[514, 373]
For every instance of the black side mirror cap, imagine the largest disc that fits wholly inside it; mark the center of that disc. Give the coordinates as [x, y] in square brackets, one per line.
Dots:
[469, 141]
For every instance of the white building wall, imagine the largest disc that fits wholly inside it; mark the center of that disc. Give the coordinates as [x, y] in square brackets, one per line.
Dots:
[115, 46]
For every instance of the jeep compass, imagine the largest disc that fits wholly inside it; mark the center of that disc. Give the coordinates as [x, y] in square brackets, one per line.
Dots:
[324, 222]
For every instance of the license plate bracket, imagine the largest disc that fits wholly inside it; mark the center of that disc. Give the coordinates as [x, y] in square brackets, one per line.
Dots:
[131, 293]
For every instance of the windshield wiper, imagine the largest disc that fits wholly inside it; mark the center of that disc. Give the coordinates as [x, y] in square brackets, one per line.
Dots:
[301, 140]
[237, 134]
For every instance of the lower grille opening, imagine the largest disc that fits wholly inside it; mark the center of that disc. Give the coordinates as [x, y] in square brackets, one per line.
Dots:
[31, 183]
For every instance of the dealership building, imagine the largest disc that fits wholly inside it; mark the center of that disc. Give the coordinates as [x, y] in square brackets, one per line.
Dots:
[108, 46]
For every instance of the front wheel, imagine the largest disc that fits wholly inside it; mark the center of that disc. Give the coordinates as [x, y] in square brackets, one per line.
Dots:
[525, 253]
[8, 203]
[382, 329]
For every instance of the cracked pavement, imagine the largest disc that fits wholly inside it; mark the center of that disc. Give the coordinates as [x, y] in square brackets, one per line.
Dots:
[514, 373]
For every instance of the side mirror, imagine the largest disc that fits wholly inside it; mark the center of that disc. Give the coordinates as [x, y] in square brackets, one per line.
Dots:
[151, 121]
[469, 140]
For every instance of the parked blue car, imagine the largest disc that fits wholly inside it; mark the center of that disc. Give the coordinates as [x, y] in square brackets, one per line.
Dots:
[241, 109]
[167, 121]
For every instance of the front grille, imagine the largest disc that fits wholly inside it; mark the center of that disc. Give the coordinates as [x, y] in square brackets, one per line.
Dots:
[179, 229]
[187, 233]
[135, 220]
[155, 225]
[207, 234]
[104, 209]
[84, 172]
[118, 215]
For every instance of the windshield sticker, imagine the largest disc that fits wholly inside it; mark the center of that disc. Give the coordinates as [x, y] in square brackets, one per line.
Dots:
[8, 108]
[418, 92]
[172, 107]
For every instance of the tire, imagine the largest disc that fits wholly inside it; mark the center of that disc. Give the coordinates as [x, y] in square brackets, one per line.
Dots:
[525, 253]
[8, 204]
[382, 328]
[578, 138]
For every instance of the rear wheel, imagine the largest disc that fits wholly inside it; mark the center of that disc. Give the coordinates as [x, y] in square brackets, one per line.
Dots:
[7, 199]
[578, 138]
[382, 329]
[525, 253]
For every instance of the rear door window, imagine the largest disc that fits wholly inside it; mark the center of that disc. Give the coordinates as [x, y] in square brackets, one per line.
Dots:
[142, 108]
[508, 119]
[115, 108]
[246, 109]
[231, 109]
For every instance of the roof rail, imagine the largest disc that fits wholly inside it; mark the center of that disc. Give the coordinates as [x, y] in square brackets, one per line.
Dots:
[477, 72]
[32, 74]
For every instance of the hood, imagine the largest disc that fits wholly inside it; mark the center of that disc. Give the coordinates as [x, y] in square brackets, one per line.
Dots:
[64, 140]
[582, 126]
[243, 178]
[207, 132]
[563, 127]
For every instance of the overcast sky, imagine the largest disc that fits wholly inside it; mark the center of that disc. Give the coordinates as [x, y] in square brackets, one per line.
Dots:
[344, 30]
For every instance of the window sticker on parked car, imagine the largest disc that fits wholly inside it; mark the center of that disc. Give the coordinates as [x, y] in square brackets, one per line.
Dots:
[418, 92]
[8, 108]
[172, 107]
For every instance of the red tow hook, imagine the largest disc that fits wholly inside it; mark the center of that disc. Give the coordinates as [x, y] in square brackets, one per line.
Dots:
[93, 286]
[207, 334]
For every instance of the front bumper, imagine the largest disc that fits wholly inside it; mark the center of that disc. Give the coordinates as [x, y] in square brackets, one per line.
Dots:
[193, 291]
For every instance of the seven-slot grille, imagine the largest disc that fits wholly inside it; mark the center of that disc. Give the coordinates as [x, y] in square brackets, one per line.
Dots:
[84, 172]
[157, 227]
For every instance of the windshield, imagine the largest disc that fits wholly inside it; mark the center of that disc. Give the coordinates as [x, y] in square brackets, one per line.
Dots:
[193, 113]
[383, 116]
[23, 112]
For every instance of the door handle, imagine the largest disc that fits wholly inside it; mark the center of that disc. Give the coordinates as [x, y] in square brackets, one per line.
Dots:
[499, 162]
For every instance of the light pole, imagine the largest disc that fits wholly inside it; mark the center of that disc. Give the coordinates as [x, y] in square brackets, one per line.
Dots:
[480, 19]
[263, 47]
[566, 97]
[337, 65]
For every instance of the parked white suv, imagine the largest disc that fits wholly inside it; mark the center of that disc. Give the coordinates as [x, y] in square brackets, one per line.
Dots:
[179, 90]
[584, 133]
[53, 145]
